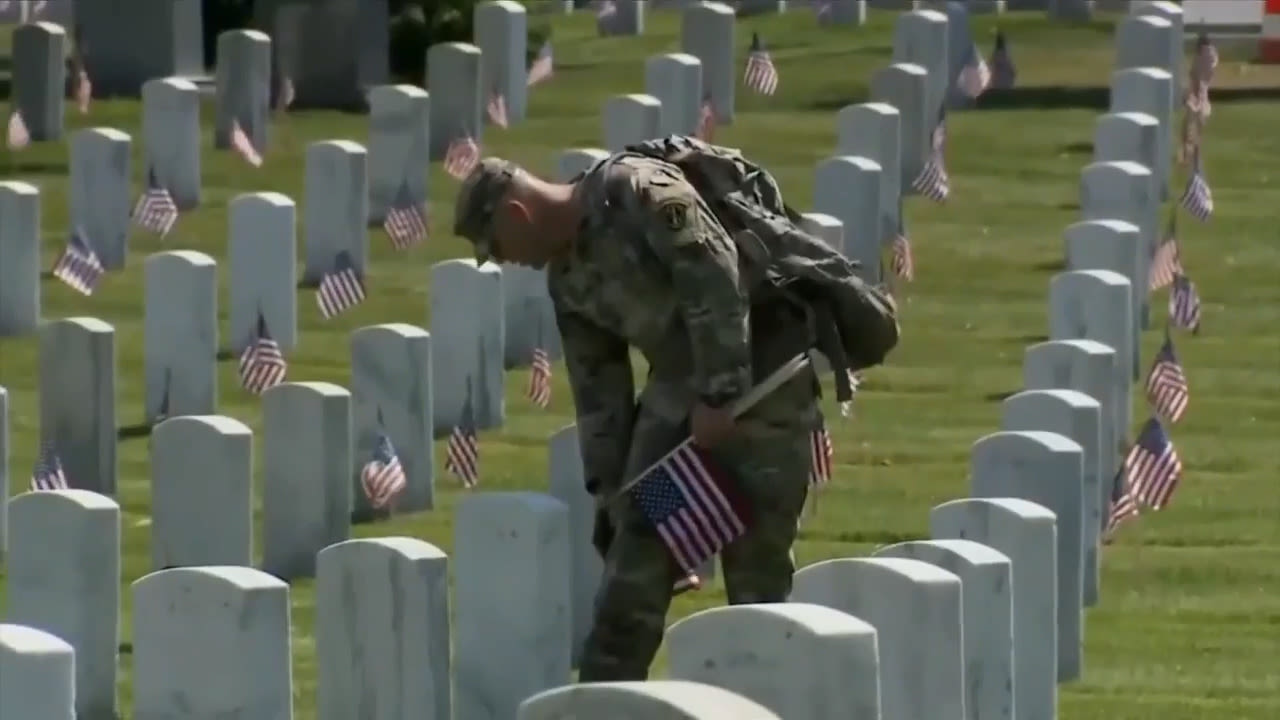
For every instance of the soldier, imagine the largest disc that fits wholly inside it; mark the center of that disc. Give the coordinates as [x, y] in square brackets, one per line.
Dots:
[635, 258]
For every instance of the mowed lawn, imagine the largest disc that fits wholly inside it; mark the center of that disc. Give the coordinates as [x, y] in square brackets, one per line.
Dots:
[1189, 622]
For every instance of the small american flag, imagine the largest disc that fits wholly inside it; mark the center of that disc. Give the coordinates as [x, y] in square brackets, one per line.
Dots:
[287, 94]
[1167, 388]
[382, 478]
[821, 454]
[761, 76]
[933, 181]
[846, 407]
[340, 289]
[543, 66]
[48, 474]
[462, 456]
[540, 379]
[461, 157]
[1192, 131]
[262, 364]
[19, 138]
[706, 130]
[902, 261]
[1201, 76]
[1153, 466]
[1123, 505]
[155, 211]
[605, 14]
[79, 266]
[824, 9]
[1184, 304]
[690, 504]
[406, 223]
[1004, 74]
[1167, 261]
[1197, 199]
[83, 88]
[497, 109]
[975, 77]
[243, 146]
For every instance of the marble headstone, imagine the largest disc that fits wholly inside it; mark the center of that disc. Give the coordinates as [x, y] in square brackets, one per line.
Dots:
[501, 32]
[665, 699]
[171, 138]
[848, 188]
[180, 334]
[398, 147]
[675, 80]
[78, 400]
[906, 87]
[19, 258]
[467, 325]
[243, 93]
[100, 204]
[457, 97]
[872, 130]
[261, 251]
[335, 206]
[706, 32]
[39, 79]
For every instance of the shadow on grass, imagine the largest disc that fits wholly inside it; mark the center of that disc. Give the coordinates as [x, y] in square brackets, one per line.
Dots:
[999, 396]
[132, 432]
[1069, 206]
[34, 167]
[1032, 339]
[1052, 266]
[1077, 148]
[225, 355]
[862, 537]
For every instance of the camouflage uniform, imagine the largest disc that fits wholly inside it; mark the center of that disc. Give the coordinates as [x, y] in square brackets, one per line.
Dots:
[652, 268]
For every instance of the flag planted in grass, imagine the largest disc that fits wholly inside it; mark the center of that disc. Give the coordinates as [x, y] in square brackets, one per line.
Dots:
[1153, 466]
[543, 66]
[462, 456]
[1184, 304]
[243, 146]
[78, 266]
[1197, 199]
[155, 211]
[761, 75]
[341, 288]
[933, 181]
[406, 223]
[48, 473]
[262, 364]
[1167, 388]
[463, 155]
[383, 478]
[18, 137]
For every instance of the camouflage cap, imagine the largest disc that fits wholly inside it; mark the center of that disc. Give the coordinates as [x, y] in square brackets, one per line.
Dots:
[479, 196]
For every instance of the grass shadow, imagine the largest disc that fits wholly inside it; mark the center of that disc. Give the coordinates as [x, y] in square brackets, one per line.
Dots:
[135, 431]
[225, 355]
[1052, 266]
[1077, 148]
[999, 396]
[1061, 97]
[36, 167]
[1069, 206]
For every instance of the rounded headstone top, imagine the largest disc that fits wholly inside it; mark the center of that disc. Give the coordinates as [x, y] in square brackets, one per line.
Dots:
[239, 577]
[246, 34]
[637, 98]
[1053, 442]
[29, 640]
[566, 432]
[972, 552]
[169, 83]
[349, 147]
[1089, 347]
[403, 330]
[43, 26]
[879, 108]
[503, 502]
[89, 324]
[1138, 118]
[1074, 398]
[83, 499]
[681, 700]
[325, 389]
[1118, 226]
[1128, 167]
[452, 265]
[189, 257]
[707, 6]
[264, 198]
[1024, 509]
[102, 133]
[506, 5]
[1153, 20]
[822, 219]
[389, 91]
[815, 619]
[18, 187]
[411, 548]
[221, 423]
[457, 47]
[677, 57]
[1106, 277]
[911, 68]
[1151, 72]
[911, 570]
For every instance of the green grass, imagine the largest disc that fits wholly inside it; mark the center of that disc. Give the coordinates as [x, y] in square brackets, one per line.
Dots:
[1189, 621]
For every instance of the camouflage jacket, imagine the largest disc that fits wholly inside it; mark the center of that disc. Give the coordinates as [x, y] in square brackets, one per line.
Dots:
[652, 268]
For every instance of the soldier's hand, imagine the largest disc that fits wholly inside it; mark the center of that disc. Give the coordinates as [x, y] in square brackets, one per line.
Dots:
[710, 426]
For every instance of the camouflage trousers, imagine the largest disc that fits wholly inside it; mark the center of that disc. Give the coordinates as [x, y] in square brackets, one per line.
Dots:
[771, 470]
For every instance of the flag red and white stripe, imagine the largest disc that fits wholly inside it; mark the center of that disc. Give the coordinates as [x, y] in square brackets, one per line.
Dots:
[18, 136]
[543, 66]
[461, 157]
[243, 146]
[383, 477]
[539, 390]
[975, 77]
[1153, 467]
[706, 130]
[497, 109]
[821, 455]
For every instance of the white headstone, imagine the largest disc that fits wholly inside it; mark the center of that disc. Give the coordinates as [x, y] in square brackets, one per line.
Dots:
[848, 188]
[1086, 366]
[335, 206]
[211, 642]
[382, 630]
[4, 469]
[1150, 91]
[844, 12]
[201, 492]
[100, 204]
[19, 258]
[398, 152]
[906, 87]
[171, 138]
[468, 326]
[243, 87]
[575, 160]
[826, 227]
[63, 577]
[706, 32]
[1047, 469]
[501, 33]
[78, 400]
[1172, 12]
[509, 646]
[457, 98]
[654, 700]
[873, 130]
[39, 76]
[915, 609]
[1132, 137]
[802, 661]
[675, 79]
[630, 119]
[306, 481]
[568, 485]
[37, 674]
[180, 334]
[920, 38]
[1113, 245]
[261, 251]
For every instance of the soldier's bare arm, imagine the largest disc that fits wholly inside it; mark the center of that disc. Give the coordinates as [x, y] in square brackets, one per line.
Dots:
[599, 365]
[703, 261]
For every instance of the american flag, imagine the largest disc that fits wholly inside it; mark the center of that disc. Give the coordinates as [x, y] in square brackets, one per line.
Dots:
[382, 478]
[540, 379]
[1153, 466]
[79, 266]
[974, 77]
[1197, 199]
[1167, 388]
[821, 454]
[1189, 142]
[706, 130]
[823, 9]
[243, 146]
[406, 223]
[19, 138]
[155, 211]
[1123, 505]
[846, 407]
[1166, 262]
[902, 261]
[761, 76]
[461, 157]
[83, 89]
[691, 506]
[1184, 304]
[1201, 75]
[497, 109]
[933, 181]
[48, 474]
[262, 364]
[287, 94]
[605, 15]
[340, 289]
[1004, 74]
[462, 456]
[543, 66]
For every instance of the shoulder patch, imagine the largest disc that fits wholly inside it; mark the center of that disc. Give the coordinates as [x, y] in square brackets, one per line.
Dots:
[674, 214]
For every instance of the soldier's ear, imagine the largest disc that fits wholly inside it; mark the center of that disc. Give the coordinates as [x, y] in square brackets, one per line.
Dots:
[515, 213]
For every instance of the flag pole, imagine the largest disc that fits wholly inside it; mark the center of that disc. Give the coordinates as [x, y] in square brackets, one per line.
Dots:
[740, 407]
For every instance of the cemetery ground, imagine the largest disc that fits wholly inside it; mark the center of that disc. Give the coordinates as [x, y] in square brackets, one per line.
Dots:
[1188, 624]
